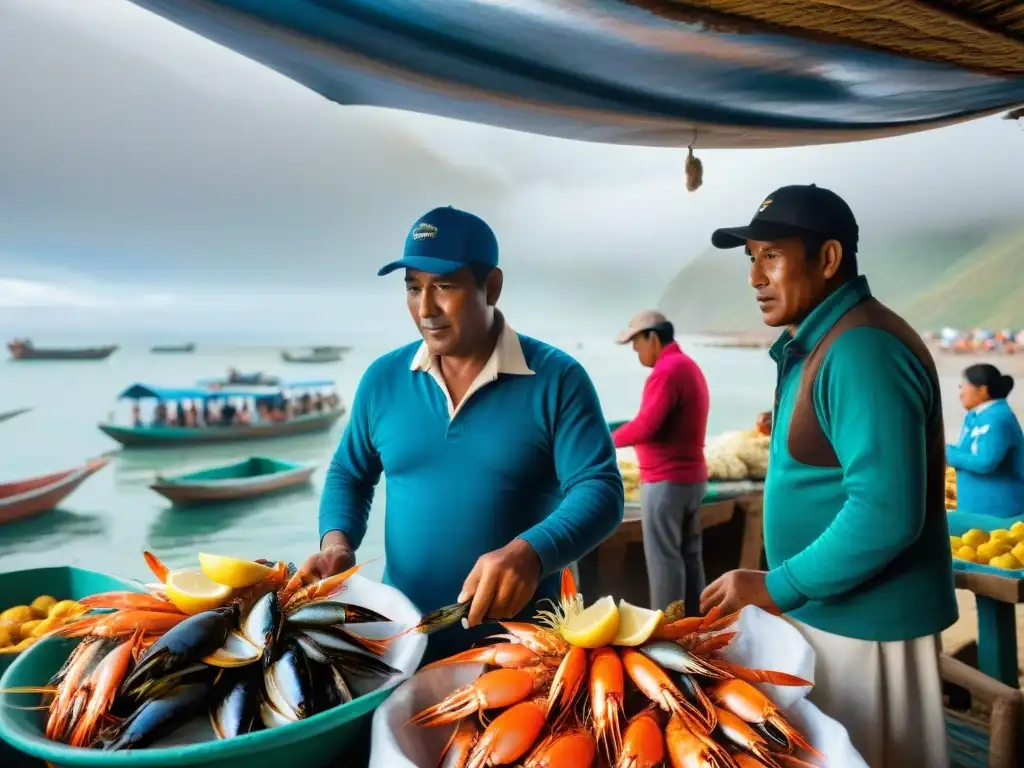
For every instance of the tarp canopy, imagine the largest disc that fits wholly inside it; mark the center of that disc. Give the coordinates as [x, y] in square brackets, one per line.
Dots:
[718, 73]
[141, 391]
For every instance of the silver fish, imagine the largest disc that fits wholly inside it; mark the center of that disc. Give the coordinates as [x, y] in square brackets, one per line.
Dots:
[327, 613]
[262, 625]
[675, 658]
[235, 707]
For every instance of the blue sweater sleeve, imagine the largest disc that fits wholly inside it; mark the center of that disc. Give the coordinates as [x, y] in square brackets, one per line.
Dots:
[588, 473]
[354, 471]
[873, 399]
[992, 447]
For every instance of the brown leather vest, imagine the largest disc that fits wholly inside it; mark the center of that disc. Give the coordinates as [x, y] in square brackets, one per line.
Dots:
[806, 440]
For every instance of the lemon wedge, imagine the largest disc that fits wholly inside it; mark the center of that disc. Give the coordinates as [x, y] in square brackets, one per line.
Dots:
[192, 591]
[636, 624]
[232, 572]
[596, 626]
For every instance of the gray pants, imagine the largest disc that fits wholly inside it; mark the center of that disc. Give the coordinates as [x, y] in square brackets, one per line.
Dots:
[672, 542]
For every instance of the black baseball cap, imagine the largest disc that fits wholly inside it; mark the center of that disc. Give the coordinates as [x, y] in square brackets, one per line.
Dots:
[796, 211]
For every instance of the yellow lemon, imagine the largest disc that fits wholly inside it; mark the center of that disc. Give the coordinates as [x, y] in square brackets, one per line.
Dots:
[1018, 528]
[1018, 551]
[955, 542]
[192, 591]
[66, 609]
[970, 554]
[42, 605]
[232, 572]
[636, 624]
[19, 646]
[974, 537]
[26, 629]
[1006, 561]
[6, 637]
[19, 614]
[991, 549]
[999, 534]
[595, 626]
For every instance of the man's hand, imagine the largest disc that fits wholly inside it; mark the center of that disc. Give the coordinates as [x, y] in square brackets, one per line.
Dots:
[738, 589]
[502, 582]
[335, 556]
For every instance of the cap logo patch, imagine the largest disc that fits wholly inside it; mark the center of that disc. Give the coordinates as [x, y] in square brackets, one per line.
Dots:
[764, 205]
[424, 231]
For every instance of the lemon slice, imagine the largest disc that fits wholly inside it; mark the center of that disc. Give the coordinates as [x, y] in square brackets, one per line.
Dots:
[232, 572]
[192, 591]
[636, 624]
[596, 626]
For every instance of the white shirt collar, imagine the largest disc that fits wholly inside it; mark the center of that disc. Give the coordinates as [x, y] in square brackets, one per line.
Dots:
[507, 356]
[983, 406]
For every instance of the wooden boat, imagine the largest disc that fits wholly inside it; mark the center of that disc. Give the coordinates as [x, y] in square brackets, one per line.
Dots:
[315, 355]
[255, 476]
[150, 437]
[25, 498]
[171, 349]
[24, 349]
[5, 415]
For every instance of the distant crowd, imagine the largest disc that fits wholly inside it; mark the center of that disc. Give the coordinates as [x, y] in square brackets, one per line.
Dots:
[213, 413]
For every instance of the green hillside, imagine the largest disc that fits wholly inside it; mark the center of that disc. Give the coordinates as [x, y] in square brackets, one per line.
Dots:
[966, 277]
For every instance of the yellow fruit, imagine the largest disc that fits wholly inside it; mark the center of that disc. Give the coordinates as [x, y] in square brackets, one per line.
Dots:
[955, 542]
[232, 572]
[991, 549]
[1018, 551]
[596, 626]
[999, 534]
[6, 638]
[19, 646]
[42, 605]
[636, 624]
[1006, 561]
[19, 614]
[46, 625]
[974, 537]
[192, 591]
[1018, 528]
[26, 629]
[66, 609]
[969, 554]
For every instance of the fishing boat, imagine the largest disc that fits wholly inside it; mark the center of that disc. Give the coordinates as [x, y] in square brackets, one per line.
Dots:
[255, 476]
[236, 378]
[159, 435]
[173, 349]
[24, 349]
[314, 355]
[25, 498]
[5, 415]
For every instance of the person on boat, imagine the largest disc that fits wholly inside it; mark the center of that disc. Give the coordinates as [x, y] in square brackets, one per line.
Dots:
[494, 445]
[136, 415]
[989, 456]
[244, 415]
[262, 412]
[228, 411]
[854, 507]
[160, 414]
[669, 434]
[193, 414]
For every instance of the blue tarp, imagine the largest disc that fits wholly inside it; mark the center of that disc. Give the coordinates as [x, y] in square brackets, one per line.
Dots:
[595, 70]
[140, 391]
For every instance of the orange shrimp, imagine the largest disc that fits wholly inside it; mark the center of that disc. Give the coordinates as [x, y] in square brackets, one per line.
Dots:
[510, 735]
[102, 687]
[456, 752]
[139, 601]
[574, 748]
[86, 656]
[507, 655]
[656, 685]
[538, 639]
[745, 737]
[678, 630]
[294, 594]
[643, 744]
[689, 746]
[713, 643]
[568, 679]
[500, 688]
[121, 624]
[761, 675]
[753, 707]
[156, 565]
[607, 689]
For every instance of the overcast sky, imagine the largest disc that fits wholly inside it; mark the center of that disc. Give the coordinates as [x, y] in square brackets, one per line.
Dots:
[150, 178]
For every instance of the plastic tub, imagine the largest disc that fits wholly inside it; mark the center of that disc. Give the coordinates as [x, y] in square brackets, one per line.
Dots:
[311, 743]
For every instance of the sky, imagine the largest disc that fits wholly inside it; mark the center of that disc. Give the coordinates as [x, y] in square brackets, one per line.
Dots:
[153, 182]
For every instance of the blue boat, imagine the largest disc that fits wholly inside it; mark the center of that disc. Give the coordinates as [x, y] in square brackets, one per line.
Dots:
[154, 435]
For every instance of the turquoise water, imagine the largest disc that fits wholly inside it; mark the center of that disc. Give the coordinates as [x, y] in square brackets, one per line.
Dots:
[109, 520]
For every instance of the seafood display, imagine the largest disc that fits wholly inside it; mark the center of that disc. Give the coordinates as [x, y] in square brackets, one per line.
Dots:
[617, 686]
[245, 644]
[22, 625]
[1001, 548]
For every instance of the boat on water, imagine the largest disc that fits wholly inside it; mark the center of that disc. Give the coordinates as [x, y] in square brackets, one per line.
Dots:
[313, 355]
[256, 400]
[24, 349]
[236, 378]
[252, 477]
[26, 498]
[173, 349]
[6, 415]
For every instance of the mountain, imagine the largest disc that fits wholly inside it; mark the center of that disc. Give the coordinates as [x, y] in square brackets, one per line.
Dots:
[967, 277]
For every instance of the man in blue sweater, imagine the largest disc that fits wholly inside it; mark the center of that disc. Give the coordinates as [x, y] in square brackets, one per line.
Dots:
[499, 465]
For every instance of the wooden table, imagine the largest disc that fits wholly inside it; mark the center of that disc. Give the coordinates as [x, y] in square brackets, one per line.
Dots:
[997, 598]
[748, 503]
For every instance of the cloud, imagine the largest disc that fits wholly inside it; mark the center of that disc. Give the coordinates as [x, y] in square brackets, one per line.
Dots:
[16, 293]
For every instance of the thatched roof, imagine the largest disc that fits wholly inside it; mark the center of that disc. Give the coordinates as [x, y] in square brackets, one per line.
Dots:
[982, 35]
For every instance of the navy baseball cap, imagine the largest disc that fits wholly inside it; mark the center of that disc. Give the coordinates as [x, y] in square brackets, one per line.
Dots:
[796, 211]
[444, 241]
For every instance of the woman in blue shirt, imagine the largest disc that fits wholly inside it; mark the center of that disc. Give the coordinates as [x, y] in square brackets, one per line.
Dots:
[989, 456]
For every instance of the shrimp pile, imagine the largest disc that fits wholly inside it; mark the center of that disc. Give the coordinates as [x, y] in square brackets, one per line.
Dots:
[672, 700]
[272, 654]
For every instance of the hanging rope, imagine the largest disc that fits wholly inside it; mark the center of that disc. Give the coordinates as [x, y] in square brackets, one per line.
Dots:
[694, 168]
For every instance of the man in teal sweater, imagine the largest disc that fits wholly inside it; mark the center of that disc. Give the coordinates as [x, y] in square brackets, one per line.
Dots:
[854, 513]
[499, 465]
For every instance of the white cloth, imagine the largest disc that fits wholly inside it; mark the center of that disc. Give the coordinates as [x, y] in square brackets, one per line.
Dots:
[888, 695]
